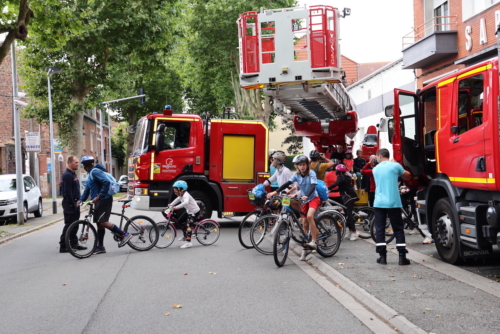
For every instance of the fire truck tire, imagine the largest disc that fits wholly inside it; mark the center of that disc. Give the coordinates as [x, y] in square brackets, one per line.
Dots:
[204, 203]
[444, 231]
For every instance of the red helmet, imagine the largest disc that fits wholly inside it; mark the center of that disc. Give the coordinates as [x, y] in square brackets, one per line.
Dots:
[341, 168]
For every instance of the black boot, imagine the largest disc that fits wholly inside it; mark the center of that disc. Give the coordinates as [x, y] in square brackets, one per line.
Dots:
[382, 259]
[403, 261]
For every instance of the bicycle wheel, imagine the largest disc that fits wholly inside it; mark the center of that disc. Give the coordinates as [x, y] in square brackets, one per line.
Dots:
[364, 221]
[260, 233]
[329, 235]
[389, 233]
[246, 227]
[207, 232]
[144, 233]
[81, 239]
[167, 234]
[281, 244]
[340, 219]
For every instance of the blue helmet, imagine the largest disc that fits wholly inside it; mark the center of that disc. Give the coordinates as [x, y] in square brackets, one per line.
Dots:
[181, 184]
[87, 159]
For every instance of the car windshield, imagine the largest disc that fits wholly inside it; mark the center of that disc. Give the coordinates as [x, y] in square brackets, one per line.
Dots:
[8, 185]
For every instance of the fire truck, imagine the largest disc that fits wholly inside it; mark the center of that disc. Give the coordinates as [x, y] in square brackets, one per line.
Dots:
[220, 159]
[447, 136]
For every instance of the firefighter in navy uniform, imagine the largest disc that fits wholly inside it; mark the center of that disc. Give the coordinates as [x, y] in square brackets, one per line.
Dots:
[71, 194]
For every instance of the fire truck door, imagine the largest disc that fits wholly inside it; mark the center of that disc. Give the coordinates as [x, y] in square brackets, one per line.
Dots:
[405, 138]
[467, 139]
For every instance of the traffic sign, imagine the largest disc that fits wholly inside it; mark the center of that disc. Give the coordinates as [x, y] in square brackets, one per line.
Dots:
[33, 142]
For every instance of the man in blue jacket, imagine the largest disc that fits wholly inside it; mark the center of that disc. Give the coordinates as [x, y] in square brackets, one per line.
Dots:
[98, 187]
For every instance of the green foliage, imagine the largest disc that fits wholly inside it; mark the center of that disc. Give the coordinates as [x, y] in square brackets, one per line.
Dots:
[119, 144]
[295, 141]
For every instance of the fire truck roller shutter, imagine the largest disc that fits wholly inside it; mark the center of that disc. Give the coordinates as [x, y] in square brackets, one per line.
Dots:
[238, 158]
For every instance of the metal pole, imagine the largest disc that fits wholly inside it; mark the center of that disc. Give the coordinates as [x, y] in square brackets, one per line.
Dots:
[17, 140]
[109, 143]
[52, 155]
[101, 136]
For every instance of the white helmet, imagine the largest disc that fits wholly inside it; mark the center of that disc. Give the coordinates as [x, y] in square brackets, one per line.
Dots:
[279, 157]
[271, 152]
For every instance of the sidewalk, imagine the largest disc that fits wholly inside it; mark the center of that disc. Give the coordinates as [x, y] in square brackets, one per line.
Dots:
[12, 231]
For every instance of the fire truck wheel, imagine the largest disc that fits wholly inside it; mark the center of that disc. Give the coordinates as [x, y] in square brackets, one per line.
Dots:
[443, 230]
[204, 203]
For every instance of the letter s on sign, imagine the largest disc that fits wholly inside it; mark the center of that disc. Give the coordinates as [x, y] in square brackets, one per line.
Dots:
[468, 44]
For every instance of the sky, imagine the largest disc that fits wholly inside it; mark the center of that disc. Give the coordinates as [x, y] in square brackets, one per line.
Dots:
[374, 30]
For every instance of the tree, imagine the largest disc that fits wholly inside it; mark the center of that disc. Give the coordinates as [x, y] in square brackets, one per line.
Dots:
[208, 56]
[119, 144]
[295, 141]
[90, 41]
[14, 19]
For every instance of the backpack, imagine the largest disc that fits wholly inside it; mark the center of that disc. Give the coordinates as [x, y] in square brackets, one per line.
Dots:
[114, 187]
[322, 190]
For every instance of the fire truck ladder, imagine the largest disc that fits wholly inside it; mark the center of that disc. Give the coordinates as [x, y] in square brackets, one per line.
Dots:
[312, 102]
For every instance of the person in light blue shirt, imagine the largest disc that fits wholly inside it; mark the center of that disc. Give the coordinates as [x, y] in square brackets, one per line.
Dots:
[272, 169]
[388, 204]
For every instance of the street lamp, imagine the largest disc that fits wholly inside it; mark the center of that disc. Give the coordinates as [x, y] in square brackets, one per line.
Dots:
[51, 70]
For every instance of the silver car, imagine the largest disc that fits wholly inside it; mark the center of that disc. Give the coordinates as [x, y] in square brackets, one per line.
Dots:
[32, 197]
[123, 182]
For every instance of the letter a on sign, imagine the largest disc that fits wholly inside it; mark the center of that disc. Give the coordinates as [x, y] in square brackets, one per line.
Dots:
[482, 32]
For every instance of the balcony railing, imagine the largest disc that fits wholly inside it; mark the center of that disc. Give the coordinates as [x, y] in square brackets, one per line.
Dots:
[437, 23]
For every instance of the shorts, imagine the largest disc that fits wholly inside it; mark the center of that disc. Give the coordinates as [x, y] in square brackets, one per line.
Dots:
[102, 210]
[314, 203]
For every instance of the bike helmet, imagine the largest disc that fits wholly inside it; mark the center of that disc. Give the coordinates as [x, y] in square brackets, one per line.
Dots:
[341, 168]
[271, 152]
[279, 157]
[348, 152]
[274, 203]
[87, 160]
[300, 158]
[314, 154]
[181, 184]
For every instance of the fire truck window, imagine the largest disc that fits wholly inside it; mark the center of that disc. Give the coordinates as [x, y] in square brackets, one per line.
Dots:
[176, 135]
[141, 133]
[470, 103]
[407, 109]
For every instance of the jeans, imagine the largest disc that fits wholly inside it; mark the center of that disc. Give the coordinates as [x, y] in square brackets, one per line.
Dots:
[70, 215]
[397, 227]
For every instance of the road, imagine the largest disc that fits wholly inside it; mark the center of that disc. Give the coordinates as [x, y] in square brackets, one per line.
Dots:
[224, 288]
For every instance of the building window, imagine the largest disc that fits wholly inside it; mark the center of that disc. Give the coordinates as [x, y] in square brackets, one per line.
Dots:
[473, 7]
[441, 14]
[92, 140]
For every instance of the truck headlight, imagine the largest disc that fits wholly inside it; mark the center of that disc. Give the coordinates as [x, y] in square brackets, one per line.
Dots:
[141, 191]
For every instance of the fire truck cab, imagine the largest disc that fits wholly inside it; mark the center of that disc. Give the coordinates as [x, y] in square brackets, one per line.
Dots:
[219, 159]
[447, 136]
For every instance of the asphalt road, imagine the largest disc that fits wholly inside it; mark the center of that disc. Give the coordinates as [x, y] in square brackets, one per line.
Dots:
[222, 289]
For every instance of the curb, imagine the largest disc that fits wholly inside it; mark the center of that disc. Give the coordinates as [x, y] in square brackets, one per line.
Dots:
[379, 308]
[20, 234]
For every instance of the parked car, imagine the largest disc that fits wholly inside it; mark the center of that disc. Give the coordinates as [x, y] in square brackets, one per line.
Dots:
[32, 197]
[123, 182]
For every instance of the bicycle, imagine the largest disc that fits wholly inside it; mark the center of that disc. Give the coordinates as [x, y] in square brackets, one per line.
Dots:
[247, 222]
[363, 217]
[329, 236]
[81, 238]
[207, 231]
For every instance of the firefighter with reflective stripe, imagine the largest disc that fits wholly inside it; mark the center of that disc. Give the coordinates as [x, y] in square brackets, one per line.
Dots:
[187, 218]
[388, 203]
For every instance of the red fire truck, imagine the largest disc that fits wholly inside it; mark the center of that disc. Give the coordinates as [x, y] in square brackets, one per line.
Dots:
[219, 159]
[447, 136]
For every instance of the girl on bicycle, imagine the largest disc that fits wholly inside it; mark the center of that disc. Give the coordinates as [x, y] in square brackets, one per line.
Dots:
[187, 218]
[306, 179]
[349, 197]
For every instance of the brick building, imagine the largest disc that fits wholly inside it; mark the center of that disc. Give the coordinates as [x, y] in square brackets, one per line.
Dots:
[449, 36]
[36, 163]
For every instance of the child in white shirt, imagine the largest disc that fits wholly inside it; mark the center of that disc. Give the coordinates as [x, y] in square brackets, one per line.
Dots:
[187, 218]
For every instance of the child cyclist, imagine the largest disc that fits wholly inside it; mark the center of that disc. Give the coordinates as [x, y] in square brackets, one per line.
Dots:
[306, 179]
[187, 218]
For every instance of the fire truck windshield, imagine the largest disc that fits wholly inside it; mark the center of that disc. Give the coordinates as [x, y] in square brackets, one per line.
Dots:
[140, 142]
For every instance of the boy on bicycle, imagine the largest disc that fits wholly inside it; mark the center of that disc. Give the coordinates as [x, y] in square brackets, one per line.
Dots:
[187, 218]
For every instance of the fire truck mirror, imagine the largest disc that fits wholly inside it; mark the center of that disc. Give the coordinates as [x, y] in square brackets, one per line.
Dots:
[389, 110]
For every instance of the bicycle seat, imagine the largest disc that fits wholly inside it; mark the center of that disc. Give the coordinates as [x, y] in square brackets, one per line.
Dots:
[125, 200]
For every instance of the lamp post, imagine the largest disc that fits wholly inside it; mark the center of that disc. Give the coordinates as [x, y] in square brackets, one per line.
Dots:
[51, 70]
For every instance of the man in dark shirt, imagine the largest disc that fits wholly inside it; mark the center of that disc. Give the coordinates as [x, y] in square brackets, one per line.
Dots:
[71, 194]
[339, 155]
[359, 163]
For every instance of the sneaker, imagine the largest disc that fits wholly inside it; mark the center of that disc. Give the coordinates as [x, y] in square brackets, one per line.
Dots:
[428, 240]
[63, 250]
[354, 236]
[182, 239]
[304, 254]
[187, 245]
[80, 247]
[126, 238]
[99, 250]
[310, 245]
[347, 234]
